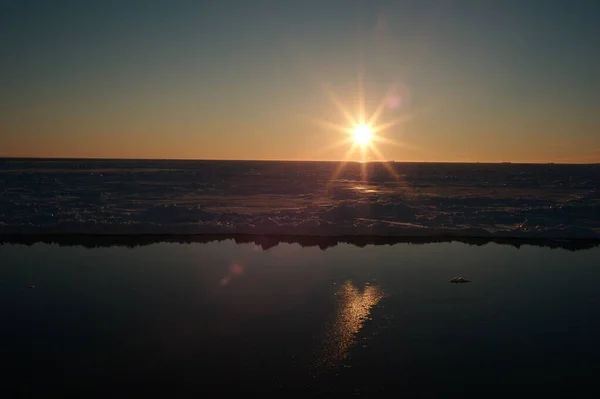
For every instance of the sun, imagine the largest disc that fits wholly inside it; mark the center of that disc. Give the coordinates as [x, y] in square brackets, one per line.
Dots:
[362, 135]
[362, 131]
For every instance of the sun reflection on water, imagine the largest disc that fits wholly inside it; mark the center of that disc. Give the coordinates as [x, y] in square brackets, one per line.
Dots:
[353, 310]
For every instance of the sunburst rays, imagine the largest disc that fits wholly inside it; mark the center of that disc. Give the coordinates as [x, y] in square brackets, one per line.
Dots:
[367, 149]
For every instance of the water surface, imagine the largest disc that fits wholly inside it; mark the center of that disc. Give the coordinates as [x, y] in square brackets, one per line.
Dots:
[186, 319]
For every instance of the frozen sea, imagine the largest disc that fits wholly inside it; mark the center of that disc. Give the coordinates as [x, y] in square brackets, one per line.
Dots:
[124, 197]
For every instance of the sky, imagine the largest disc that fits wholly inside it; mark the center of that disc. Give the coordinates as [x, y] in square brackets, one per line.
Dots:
[460, 80]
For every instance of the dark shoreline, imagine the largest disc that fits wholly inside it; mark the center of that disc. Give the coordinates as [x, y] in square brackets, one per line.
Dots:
[266, 241]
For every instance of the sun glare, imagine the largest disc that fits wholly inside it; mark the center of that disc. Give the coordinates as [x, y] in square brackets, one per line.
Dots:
[362, 134]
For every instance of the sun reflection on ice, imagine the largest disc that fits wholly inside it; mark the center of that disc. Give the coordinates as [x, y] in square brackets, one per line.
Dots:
[366, 189]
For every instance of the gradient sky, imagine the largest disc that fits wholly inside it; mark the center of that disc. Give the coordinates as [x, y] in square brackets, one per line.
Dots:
[483, 80]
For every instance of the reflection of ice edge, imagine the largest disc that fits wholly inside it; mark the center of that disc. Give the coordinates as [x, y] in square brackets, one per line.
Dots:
[269, 241]
[352, 310]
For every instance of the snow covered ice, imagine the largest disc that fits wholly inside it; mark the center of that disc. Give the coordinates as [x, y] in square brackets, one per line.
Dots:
[299, 198]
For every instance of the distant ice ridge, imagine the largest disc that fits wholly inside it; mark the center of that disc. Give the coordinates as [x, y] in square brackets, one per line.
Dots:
[299, 199]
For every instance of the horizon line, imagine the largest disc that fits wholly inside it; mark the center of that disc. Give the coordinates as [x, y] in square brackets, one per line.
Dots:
[290, 160]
